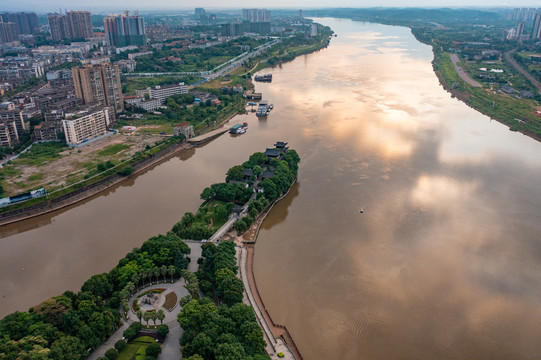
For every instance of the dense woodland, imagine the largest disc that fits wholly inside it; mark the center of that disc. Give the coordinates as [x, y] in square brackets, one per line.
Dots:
[220, 326]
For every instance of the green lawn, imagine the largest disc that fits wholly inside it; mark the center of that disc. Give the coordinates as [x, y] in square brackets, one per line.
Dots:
[113, 149]
[136, 349]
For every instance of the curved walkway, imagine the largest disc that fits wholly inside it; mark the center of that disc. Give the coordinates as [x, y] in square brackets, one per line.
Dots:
[171, 346]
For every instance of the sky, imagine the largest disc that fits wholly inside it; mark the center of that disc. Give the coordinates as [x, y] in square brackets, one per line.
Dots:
[117, 5]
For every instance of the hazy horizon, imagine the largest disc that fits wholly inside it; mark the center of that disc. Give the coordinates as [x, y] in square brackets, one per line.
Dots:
[120, 5]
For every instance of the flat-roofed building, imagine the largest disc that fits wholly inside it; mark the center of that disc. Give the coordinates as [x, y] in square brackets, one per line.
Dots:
[184, 129]
[19, 117]
[86, 125]
[8, 32]
[48, 131]
[163, 92]
[8, 133]
[125, 30]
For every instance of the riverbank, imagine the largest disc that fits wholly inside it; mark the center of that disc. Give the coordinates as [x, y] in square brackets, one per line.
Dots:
[278, 336]
[41, 206]
[498, 107]
[88, 191]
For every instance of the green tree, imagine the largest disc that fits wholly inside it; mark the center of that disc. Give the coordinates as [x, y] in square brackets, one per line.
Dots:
[195, 357]
[136, 278]
[111, 354]
[163, 270]
[154, 317]
[98, 285]
[120, 345]
[236, 173]
[147, 316]
[153, 350]
[163, 330]
[258, 170]
[139, 315]
[229, 287]
[230, 351]
[207, 194]
[161, 315]
[202, 344]
[125, 306]
[171, 269]
[68, 348]
[156, 272]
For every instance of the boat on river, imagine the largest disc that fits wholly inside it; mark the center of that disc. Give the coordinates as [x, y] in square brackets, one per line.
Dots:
[263, 78]
[263, 109]
[238, 128]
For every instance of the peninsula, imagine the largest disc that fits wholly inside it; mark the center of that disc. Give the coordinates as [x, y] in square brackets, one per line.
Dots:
[154, 282]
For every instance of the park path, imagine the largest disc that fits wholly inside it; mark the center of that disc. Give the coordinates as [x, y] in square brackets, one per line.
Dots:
[171, 345]
[110, 343]
[276, 337]
[463, 75]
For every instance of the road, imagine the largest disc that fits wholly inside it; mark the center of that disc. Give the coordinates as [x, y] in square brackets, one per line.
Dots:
[519, 68]
[463, 75]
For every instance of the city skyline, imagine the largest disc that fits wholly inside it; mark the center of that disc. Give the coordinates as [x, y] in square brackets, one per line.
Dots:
[120, 5]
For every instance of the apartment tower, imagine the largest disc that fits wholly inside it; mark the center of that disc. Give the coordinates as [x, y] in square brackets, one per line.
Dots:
[99, 83]
[125, 30]
[73, 25]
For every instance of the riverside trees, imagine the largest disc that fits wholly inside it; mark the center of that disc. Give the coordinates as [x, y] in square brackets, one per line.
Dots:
[68, 325]
[220, 326]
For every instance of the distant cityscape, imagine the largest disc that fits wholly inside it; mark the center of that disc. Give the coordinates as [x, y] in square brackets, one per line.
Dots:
[66, 73]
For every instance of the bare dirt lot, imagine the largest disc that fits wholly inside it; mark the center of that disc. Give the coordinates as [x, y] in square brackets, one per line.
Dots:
[72, 164]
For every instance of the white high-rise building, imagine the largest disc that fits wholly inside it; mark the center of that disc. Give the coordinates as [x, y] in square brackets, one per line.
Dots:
[86, 125]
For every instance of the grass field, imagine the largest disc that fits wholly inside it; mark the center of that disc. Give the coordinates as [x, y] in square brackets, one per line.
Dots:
[41, 154]
[113, 149]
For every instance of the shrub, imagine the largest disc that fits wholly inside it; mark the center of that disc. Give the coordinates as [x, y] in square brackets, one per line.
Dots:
[120, 344]
[111, 354]
[129, 334]
[163, 330]
[153, 350]
[126, 171]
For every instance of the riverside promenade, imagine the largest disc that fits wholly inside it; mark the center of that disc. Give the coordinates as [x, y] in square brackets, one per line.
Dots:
[277, 336]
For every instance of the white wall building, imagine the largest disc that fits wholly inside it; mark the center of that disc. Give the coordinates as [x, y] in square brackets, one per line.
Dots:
[163, 92]
[86, 125]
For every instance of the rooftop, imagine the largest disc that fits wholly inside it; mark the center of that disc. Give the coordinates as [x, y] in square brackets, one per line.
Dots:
[273, 152]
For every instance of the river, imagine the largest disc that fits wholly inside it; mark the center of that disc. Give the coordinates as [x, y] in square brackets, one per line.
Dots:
[443, 262]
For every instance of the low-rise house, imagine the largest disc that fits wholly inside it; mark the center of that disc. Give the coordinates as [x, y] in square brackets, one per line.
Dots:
[184, 129]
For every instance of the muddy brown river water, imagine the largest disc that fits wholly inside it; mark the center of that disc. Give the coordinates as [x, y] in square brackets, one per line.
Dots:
[443, 263]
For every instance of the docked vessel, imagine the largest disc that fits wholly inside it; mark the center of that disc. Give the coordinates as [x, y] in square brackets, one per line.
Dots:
[263, 109]
[238, 128]
[263, 78]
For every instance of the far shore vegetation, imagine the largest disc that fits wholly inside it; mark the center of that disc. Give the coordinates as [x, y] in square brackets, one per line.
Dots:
[478, 38]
